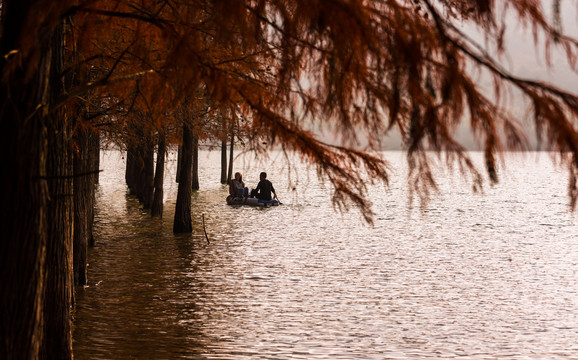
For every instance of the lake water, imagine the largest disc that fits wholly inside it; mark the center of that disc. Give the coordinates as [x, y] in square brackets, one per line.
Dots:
[492, 276]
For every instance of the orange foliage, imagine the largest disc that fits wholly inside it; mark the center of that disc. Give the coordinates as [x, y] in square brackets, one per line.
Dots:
[363, 68]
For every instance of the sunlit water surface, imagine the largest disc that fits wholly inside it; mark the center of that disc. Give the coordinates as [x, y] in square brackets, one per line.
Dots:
[491, 276]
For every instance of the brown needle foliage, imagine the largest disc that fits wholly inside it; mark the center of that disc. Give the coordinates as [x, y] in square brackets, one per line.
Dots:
[362, 68]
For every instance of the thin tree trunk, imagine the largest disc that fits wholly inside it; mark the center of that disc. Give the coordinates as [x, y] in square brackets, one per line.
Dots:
[128, 157]
[230, 173]
[182, 222]
[83, 165]
[195, 181]
[179, 160]
[157, 206]
[131, 166]
[223, 162]
[149, 174]
[95, 148]
[140, 172]
[82, 203]
[93, 167]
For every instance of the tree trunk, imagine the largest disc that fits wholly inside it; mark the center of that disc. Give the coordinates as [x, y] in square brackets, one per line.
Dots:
[128, 158]
[57, 340]
[182, 222]
[149, 173]
[58, 292]
[179, 159]
[131, 166]
[139, 172]
[24, 195]
[195, 181]
[95, 148]
[82, 202]
[223, 162]
[230, 173]
[93, 167]
[157, 207]
[23, 186]
[83, 183]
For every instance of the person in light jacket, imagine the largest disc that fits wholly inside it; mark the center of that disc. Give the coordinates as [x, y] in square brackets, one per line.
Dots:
[237, 187]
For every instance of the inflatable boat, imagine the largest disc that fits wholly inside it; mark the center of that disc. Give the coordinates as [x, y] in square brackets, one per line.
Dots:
[250, 201]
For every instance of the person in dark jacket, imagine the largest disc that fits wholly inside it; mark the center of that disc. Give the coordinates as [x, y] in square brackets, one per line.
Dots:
[264, 189]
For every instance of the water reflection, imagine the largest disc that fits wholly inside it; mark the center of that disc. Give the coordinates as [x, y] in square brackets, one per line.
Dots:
[488, 277]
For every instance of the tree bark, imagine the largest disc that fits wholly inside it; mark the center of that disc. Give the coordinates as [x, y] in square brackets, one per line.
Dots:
[58, 292]
[23, 186]
[157, 206]
[24, 195]
[83, 191]
[223, 162]
[57, 339]
[182, 222]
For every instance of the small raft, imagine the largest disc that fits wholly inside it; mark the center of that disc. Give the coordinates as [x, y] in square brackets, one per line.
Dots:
[250, 201]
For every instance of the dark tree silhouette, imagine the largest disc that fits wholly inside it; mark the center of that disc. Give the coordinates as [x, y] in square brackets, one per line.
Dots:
[157, 206]
[223, 162]
[182, 222]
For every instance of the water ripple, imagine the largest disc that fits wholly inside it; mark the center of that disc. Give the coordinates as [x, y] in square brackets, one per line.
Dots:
[474, 277]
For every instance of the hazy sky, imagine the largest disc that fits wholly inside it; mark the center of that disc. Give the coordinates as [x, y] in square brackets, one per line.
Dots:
[526, 60]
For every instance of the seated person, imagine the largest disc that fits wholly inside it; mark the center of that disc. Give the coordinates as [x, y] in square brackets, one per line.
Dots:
[237, 187]
[264, 189]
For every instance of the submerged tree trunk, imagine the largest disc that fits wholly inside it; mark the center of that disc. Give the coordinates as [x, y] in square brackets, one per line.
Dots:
[58, 292]
[157, 206]
[223, 162]
[57, 340]
[195, 180]
[23, 186]
[182, 222]
[230, 173]
[127, 172]
[95, 155]
[179, 159]
[139, 184]
[82, 203]
[24, 195]
[149, 174]
[93, 166]
[131, 168]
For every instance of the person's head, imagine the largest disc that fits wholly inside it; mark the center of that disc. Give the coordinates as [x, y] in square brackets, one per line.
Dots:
[263, 175]
[238, 176]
